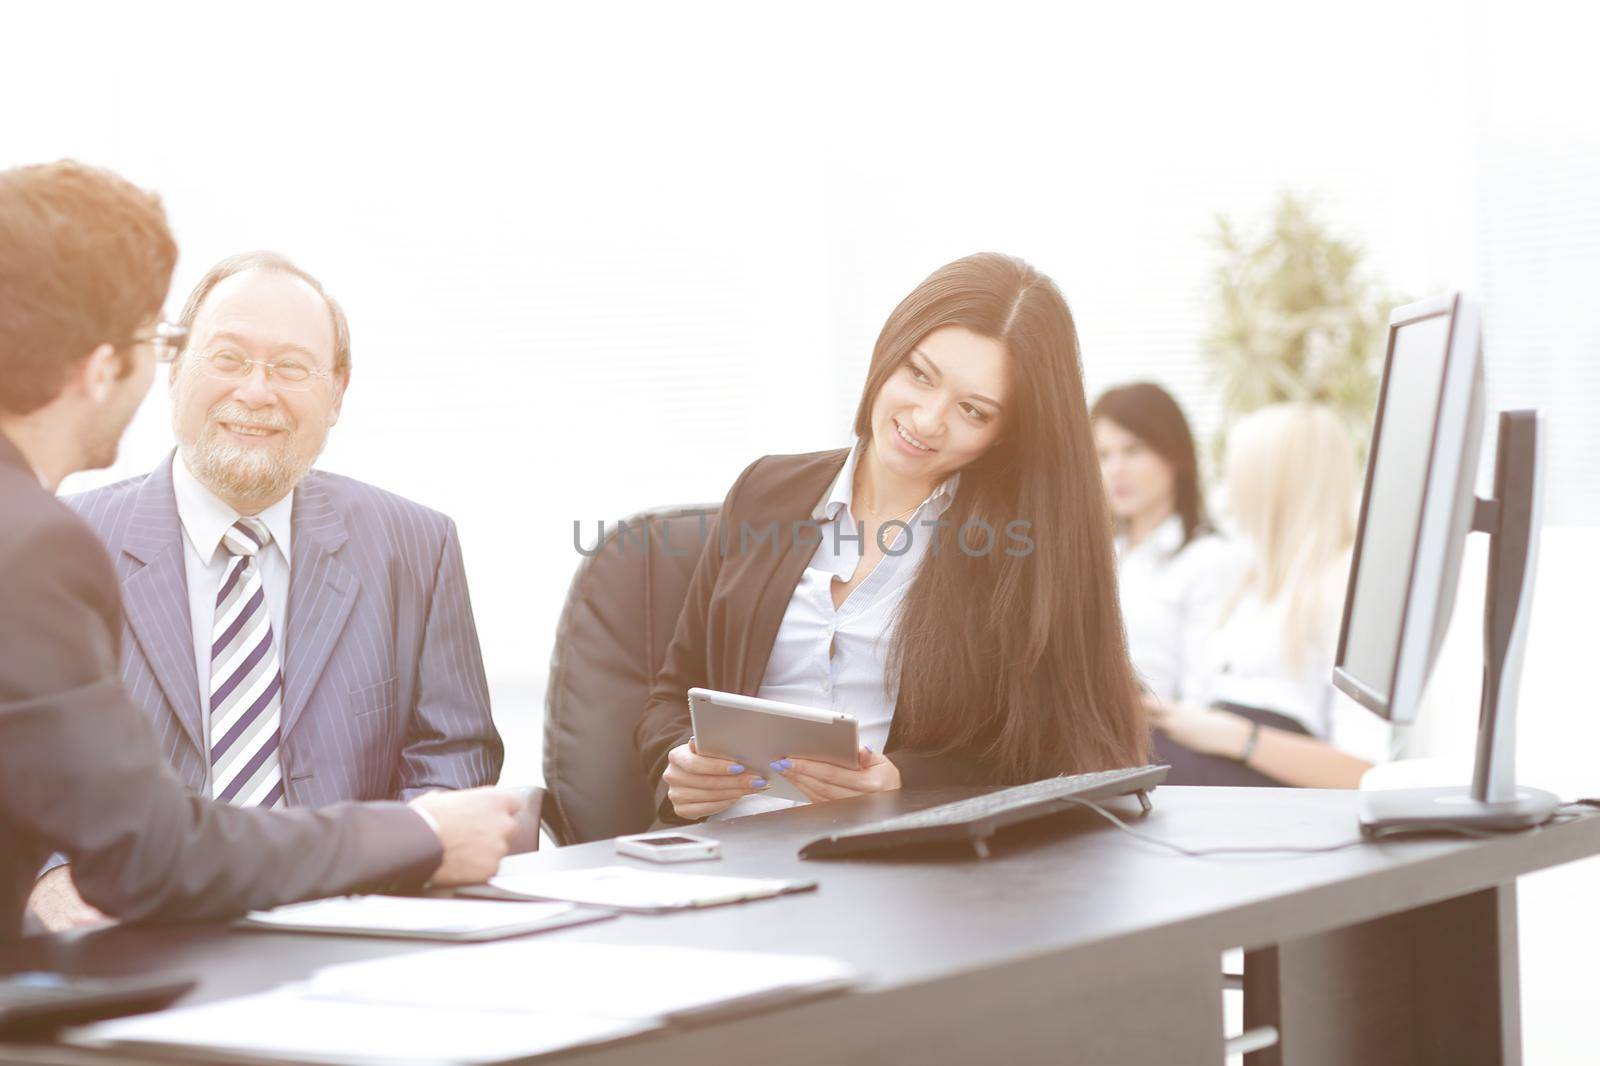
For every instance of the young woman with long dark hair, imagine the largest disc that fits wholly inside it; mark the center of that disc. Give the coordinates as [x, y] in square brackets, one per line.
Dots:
[968, 615]
[1173, 570]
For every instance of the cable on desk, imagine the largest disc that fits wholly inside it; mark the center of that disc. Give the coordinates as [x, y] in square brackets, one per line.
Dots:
[1201, 853]
[1271, 849]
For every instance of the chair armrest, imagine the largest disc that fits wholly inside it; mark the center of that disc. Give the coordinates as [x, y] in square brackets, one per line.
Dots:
[526, 835]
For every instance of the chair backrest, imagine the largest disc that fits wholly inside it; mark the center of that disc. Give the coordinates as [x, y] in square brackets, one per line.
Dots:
[619, 618]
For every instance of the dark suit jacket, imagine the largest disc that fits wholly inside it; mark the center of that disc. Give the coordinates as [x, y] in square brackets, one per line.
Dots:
[384, 695]
[737, 599]
[81, 773]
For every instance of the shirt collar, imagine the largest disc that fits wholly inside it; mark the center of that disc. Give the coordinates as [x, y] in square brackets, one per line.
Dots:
[1168, 536]
[205, 518]
[838, 496]
[1163, 540]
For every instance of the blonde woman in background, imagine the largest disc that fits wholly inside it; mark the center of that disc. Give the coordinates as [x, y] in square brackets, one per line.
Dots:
[1266, 711]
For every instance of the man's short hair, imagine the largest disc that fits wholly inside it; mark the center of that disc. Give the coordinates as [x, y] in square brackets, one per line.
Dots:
[238, 264]
[85, 259]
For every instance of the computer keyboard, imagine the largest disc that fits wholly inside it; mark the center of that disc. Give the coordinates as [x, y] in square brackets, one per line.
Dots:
[974, 820]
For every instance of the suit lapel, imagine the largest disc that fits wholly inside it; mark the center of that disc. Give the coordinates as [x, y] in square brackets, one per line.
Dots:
[783, 573]
[780, 574]
[155, 598]
[322, 590]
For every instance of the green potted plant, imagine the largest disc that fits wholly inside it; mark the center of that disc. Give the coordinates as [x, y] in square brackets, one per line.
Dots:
[1297, 318]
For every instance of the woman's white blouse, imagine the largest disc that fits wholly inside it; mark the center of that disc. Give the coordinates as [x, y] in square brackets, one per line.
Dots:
[837, 659]
[1172, 595]
[1247, 662]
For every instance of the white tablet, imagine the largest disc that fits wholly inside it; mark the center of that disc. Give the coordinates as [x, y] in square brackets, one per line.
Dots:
[759, 732]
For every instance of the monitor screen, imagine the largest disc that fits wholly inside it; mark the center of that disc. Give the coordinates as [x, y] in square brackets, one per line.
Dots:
[1402, 447]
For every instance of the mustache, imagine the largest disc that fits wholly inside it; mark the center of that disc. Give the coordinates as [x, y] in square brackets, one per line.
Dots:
[239, 415]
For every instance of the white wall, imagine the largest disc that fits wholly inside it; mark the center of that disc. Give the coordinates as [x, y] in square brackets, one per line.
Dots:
[596, 261]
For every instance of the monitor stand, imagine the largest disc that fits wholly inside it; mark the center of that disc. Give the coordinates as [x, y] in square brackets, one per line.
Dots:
[1512, 520]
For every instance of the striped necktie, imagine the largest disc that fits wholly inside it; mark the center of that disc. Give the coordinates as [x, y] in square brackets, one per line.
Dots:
[246, 682]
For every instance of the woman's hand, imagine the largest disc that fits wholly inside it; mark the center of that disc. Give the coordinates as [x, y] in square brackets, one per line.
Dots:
[822, 781]
[700, 785]
[1206, 730]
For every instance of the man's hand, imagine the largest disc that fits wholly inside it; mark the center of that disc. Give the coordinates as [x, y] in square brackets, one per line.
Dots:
[699, 786]
[56, 902]
[823, 781]
[474, 828]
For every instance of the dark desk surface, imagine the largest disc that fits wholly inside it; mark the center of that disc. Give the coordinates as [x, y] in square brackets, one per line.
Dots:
[1069, 884]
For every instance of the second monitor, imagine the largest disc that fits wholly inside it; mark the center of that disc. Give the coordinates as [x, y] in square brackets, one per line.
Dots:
[1417, 507]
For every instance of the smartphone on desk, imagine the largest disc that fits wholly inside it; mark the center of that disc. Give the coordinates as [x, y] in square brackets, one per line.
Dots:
[758, 732]
[669, 847]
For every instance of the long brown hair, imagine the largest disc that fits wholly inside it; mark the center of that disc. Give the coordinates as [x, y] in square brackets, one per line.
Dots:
[1012, 656]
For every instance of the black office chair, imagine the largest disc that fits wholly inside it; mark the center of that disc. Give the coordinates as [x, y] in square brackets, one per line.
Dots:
[619, 618]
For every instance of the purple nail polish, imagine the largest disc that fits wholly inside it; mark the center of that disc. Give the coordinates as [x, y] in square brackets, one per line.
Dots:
[736, 768]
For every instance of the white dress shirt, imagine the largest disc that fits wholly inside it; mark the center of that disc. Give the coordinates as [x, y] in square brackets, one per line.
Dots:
[205, 519]
[837, 659]
[1172, 595]
[1247, 662]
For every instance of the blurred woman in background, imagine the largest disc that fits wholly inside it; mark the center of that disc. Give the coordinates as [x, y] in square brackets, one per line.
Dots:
[1265, 711]
[1173, 571]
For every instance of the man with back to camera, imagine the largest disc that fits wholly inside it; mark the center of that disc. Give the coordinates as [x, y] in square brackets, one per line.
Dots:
[85, 261]
[241, 567]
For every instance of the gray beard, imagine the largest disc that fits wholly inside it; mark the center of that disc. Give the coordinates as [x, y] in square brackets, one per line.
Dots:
[233, 471]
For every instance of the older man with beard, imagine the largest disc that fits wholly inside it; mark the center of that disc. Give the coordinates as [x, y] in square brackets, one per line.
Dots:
[296, 637]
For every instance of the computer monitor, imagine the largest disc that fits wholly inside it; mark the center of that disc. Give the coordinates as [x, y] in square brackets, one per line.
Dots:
[1417, 507]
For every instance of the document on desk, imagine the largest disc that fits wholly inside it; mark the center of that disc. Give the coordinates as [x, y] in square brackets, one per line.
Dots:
[420, 918]
[478, 1004]
[288, 1025]
[619, 981]
[624, 888]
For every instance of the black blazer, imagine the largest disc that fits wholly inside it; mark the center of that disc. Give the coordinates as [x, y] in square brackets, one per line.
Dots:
[737, 597]
[81, 772]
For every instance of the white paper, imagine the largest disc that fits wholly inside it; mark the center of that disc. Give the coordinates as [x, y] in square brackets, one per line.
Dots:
[627, 888]
[625, 982]
[290, 1025]
[407, 915]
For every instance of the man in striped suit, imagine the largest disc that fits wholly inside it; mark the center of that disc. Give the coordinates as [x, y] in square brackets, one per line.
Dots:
[296, 637]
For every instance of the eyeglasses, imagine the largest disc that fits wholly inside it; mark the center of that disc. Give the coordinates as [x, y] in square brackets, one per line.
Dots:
[167, 340]
[290, 374]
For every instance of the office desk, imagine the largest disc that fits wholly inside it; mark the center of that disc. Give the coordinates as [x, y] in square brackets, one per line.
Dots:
[1071, 943]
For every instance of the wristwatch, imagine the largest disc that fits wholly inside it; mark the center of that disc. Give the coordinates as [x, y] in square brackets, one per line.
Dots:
[1250, 742]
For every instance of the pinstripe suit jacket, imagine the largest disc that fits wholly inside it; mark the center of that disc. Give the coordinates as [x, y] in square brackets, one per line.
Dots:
[384, 693]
